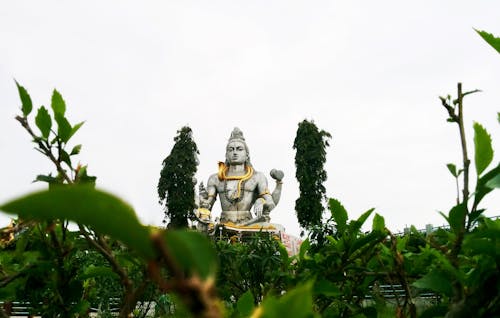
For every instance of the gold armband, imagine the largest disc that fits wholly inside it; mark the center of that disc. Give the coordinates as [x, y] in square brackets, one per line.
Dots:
[263, 200]
[264, 193]
[204, 212]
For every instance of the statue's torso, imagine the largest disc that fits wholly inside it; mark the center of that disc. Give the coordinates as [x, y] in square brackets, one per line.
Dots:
[236, 208]
[228, 194]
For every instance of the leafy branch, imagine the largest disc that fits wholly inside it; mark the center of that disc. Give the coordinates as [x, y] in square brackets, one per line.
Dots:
[77, 200]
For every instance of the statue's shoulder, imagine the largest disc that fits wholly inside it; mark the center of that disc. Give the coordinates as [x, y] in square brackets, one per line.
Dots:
[259, 175]
[213, 179]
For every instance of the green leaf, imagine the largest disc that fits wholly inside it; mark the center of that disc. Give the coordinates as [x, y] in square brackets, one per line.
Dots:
[491, 39]
[65, 157]
[456, 217]
[43, 178]
[21, 243]
[475, 214]
[296, 303]
[339, 214]
[43, 122]
[95, 271]
[58, 104]
[245, 304]
[192, 251]
[437, 281]
[481, 246]
[444, 216]
[326, 288]
[80, 308]
[482, 187]
[356, 225]
[99, 210]
[75, 129]
[453, 169]
[371, 238]
[304, 247]
[27, 105]
[494, 183]
[365, 216]
[483, 150]
[76, 150]
[82, 177]
[401, 242]
[378, 223]
[63, 127]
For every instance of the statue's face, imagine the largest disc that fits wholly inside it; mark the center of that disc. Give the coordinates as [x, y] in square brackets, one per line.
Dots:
[236, 152]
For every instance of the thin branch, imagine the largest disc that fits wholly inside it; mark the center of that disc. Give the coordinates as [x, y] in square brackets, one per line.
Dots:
[465, 158]
[450, 109]
[46, 151]
[10, 279]
[105, 251]
[471, 92]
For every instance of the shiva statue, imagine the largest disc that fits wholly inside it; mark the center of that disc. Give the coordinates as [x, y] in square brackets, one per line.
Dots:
[239, 187]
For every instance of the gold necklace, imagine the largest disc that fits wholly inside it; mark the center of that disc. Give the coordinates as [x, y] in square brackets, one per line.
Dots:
[241, 183]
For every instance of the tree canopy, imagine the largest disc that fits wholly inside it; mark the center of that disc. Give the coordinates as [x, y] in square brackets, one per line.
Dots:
[310, 144]
[176, 183]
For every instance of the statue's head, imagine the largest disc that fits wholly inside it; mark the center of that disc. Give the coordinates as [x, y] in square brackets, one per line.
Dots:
[237, 150]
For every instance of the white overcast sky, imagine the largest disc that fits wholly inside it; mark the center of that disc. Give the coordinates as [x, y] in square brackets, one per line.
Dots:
[368, 72]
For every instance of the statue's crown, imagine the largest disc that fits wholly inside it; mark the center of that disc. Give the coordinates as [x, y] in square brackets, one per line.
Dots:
[236, 134]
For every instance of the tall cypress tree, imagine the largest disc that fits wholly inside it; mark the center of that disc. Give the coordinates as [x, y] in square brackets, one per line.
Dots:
[310, 144]
[176, 184]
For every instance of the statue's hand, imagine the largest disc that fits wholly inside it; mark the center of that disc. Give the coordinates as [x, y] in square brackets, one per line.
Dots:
[258, 207]
[204, 203]
[277, 174]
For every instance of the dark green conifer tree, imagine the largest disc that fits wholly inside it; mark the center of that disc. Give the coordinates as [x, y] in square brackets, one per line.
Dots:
[310, 144]
[176, 184]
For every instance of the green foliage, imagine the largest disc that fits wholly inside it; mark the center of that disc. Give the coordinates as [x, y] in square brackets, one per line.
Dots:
[483, 150]
[260, 265]
[453, 170]
[339, 272]
[458, 265]
[88, 206]
[436, 280]
[296, 303]
[339, 214]
[44, 122]
[50, 268]
[456, 217]
[491, 39]
[192, 252]
[310, 144]
[245, 304]
[378, 223]
[339, 263]
[26, 105]
[176, 184]
[58, 104]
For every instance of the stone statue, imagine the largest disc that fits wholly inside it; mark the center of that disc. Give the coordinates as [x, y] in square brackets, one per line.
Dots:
[239, 187]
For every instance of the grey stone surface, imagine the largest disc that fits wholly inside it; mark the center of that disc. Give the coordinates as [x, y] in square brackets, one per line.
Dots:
[242, 191]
